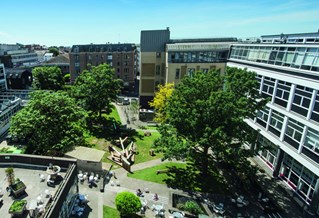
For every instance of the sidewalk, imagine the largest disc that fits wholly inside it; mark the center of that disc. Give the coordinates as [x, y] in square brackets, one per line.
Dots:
[278, 192]
[98, 199]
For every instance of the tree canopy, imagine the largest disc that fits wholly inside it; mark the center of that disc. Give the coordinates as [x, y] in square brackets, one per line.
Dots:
[47, 78]
[205, 118]
[160, 101]
[127, 203]
[96, 89]
[54, 50]
[50, 124]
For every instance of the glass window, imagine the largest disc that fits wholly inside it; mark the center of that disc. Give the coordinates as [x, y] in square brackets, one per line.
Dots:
[276, 120]
[312, 139]
[308, 59]
[294, 129]
[177, 73]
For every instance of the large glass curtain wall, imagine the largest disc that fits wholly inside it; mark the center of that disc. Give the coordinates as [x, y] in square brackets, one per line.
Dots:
[197, 57]
[295, 57]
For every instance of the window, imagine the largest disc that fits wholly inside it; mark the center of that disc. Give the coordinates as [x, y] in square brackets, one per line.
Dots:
[158, 54]
[294, 130]
[302, 99]
[158, 70]
[312, 140]
[262, 116]
[190, 71]
[276, 122]
[177, 73]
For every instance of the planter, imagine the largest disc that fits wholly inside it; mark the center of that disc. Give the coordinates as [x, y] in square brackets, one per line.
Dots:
[18, 188]
[18, 207]
[182, 203]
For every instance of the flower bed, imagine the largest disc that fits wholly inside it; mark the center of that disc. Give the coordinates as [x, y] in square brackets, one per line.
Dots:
[187, 204]
[18, 188]
[18, 207]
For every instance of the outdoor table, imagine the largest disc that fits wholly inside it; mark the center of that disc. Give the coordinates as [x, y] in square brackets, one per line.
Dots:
[32, 205]
[158, 207]
[178, 215]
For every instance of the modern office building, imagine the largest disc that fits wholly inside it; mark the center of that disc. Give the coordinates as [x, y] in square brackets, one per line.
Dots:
[287, 68]
[122, 57]
[165, 60]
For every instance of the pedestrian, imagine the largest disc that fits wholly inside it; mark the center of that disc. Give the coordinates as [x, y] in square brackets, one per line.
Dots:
[155, 197]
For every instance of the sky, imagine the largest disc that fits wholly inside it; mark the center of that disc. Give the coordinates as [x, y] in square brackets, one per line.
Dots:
[70, 22]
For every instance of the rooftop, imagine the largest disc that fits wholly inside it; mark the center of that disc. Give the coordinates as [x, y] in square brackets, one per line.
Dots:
[36, 190]
[103, 47]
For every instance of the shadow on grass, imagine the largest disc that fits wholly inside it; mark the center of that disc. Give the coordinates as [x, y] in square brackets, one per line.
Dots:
[109, 129]
[191, 180]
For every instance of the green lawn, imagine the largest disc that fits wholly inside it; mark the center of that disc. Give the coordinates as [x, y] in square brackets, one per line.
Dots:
[144, 145]
[114, 114]
[149, 174]
[109, 212]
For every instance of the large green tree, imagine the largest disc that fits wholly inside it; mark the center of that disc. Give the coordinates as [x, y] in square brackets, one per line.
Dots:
[127, 204]
[205, 119]
[96, 89]
[54, 50]
[50, 124]
[47, 78]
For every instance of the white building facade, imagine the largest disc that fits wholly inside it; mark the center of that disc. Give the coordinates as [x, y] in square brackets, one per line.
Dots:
[288, 74]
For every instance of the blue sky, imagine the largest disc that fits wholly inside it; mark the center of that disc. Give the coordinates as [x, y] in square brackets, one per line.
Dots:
[68, 22]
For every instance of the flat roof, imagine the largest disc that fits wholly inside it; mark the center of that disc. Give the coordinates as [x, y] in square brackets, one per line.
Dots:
[85, 153]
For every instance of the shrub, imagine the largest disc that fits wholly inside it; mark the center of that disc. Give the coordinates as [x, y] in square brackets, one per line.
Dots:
[190, 206]
[127, 203]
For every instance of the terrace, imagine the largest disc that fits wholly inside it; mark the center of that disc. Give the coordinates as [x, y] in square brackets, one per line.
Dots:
[37, 193]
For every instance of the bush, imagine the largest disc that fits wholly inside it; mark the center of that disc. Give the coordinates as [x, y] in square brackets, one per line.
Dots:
[190, 206]
[127, 203]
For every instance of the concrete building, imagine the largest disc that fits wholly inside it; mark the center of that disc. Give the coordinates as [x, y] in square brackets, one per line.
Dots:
[8, 47]
[287, 68]
[122, 57]
[17, 58]
[165, 60]
[11, 101]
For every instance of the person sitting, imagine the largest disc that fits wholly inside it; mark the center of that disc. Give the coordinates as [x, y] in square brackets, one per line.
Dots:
[155, 197]
[139, 193]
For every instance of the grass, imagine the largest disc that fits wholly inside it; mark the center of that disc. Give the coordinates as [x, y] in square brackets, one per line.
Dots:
[110, 212]
[114, 114]
[149, 174]
[144, 144]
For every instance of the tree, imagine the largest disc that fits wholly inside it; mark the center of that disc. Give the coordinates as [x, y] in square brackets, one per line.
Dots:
[160, 101]
[127, 203]
[54, 50]
[205, 119]
[96, 89]
[50, 124]
[47, 78]
[10, 176]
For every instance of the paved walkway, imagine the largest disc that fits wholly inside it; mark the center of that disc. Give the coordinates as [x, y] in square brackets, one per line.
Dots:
[98, 199]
